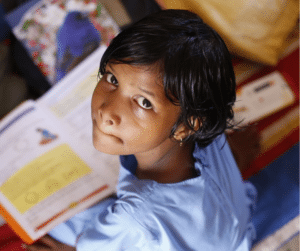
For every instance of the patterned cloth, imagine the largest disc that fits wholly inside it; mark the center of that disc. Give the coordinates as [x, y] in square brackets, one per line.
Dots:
[58, 34]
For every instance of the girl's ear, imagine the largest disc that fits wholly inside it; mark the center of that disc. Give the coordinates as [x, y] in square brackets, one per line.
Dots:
[181, 132]
[196, 123]
[184, 131]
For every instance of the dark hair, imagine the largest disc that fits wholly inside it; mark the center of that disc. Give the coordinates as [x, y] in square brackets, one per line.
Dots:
[196, 67]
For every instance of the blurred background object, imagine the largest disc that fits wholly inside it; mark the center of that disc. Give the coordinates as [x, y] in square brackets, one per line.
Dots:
[59, 34]
[256, 30]
[75, 40]
[13, 88]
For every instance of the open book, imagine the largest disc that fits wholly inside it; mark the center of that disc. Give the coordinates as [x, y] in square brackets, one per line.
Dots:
[49, 167]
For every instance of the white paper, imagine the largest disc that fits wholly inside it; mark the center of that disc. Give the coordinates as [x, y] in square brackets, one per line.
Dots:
[262, 97]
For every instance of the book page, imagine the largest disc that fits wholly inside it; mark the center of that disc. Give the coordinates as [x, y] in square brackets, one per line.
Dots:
[262, 97]
[46, 175]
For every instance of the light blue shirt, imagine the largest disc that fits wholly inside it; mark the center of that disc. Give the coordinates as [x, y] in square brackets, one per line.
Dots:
[209, 212]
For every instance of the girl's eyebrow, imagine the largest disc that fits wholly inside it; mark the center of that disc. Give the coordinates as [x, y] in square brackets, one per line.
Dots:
[110, 66]
[147, 92]
[140, 88]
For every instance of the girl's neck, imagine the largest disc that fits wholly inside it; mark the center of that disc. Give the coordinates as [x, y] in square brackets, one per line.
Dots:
[167, 166]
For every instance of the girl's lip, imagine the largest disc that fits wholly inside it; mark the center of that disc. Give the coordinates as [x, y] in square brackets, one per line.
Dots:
[96, 124]
[105, 133]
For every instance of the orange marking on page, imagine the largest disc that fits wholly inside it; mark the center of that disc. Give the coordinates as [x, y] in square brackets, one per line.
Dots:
[67, 209]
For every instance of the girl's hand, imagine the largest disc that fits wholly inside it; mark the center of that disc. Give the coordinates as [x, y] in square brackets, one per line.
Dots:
[47, 243]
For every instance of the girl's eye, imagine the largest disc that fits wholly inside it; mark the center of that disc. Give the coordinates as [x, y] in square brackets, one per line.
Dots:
[144, 103]
[110, 78]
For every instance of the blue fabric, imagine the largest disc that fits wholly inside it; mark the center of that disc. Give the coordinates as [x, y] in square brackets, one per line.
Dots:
[209, 212]
[14, 17]
[75, 38]
[278, 193]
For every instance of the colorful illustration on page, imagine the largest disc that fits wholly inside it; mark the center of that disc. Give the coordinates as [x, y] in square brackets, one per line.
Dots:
[47, 136]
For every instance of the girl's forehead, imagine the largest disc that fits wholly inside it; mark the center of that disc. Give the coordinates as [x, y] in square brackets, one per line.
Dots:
[152, 73]
[155, 68]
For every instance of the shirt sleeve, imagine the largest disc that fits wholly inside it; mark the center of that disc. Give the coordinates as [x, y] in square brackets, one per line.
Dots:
[67, 232]
[116, 229]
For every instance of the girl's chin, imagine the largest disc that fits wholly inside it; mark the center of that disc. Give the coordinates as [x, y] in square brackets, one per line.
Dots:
[108, 149]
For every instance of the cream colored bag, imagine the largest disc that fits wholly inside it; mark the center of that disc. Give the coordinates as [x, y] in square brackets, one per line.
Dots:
[254, 29]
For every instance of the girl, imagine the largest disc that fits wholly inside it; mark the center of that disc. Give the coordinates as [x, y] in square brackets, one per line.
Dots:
[163, 103]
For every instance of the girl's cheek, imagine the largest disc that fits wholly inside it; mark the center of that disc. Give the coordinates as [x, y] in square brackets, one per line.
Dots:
[142, 114]
[101, 91]
[103, 86]
[96, 97]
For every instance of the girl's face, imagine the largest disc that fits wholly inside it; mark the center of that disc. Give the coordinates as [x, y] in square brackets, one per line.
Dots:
[130, 111]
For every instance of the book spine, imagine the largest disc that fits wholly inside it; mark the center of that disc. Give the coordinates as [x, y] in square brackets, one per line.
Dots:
[15, 226]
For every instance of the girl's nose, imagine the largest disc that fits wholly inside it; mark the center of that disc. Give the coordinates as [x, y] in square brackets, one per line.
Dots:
[109, 122]
[110, 114]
